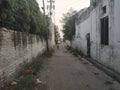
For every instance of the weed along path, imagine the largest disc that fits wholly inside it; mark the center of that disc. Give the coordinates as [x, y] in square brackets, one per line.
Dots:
[63, 71]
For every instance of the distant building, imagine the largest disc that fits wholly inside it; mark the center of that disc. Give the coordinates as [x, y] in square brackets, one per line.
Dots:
[98, 32]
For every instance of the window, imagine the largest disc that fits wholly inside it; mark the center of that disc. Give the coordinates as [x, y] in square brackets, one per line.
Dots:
[104, 9]
[105, 31]
[0, 23]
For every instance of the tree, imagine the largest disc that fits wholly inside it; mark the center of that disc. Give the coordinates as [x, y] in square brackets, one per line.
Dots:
[68, 21]
[57, 34]
[22, 15]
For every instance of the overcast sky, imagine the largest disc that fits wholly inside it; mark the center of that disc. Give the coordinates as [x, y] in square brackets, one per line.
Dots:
[62, 6]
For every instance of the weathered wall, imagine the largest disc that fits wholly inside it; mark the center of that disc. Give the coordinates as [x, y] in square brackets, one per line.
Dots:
[108, 55]
[16, 48]
[51, 35]
[115, 58]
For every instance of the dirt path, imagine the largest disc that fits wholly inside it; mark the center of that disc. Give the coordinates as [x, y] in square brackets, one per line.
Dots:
[65, 72]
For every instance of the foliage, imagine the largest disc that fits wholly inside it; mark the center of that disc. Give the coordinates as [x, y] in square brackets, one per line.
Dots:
[26, 83]
[68, 21]
[32, 68]
[57, 34]
[75, 52]
[29, 72]
[48, 54]
[37, 65]
[22, 15]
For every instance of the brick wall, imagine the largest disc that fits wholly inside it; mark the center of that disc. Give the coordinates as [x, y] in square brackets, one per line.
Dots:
[17, 48]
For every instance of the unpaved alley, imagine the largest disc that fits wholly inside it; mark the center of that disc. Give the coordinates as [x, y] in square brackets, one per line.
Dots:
[65, 72]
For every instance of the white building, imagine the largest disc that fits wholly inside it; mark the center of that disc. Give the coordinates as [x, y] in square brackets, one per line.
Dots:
[98, 32]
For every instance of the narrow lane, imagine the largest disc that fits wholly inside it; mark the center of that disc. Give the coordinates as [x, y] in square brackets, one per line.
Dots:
[65, 72]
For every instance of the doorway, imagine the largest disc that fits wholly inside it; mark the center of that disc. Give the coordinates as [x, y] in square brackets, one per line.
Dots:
[88, 45]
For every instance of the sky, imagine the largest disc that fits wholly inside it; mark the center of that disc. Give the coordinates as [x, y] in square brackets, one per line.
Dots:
[62, 6]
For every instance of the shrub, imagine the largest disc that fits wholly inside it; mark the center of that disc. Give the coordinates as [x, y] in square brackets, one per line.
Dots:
[26, 83]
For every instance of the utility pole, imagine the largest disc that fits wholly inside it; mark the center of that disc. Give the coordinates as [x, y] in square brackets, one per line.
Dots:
[51, 7]
[47, 44]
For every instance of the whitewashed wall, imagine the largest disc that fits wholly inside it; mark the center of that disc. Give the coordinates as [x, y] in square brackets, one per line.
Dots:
[108, 55]
[16, 48]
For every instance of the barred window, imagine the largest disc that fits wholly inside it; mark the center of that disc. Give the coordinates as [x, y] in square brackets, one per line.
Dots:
[105, 31]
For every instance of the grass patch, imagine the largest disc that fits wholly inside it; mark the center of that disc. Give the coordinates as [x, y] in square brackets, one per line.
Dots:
[26, 83]
[27, 78]
[48, 54]
[75, 52]
[37, 65]
[32, 68]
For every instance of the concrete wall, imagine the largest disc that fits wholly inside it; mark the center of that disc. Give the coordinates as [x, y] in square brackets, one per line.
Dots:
[115, 61]
[108, 55]
[51, 35]
[17, 48]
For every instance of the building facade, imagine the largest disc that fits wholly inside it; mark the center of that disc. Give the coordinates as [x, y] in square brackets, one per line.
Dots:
[98, 32]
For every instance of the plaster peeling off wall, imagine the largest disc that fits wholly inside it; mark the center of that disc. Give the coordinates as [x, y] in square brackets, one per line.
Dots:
[17, 48]
[90, 22]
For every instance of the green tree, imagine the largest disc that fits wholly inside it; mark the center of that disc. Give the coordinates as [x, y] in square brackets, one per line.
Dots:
[57, 34]
[22, 15]
[68, 21]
